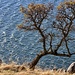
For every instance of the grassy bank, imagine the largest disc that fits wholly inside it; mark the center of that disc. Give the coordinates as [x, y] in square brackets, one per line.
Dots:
[13, 69]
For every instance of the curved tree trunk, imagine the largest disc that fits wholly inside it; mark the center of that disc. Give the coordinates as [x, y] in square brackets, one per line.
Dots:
[43, 53]
[36, 59]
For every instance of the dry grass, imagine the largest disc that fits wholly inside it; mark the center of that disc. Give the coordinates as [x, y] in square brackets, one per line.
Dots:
[13, 69]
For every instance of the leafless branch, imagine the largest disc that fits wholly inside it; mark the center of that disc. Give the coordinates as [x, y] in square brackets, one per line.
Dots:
[67, 47]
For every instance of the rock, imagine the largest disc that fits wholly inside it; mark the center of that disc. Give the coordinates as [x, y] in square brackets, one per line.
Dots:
[61, 70]
[21, 68]
[0, 61]
[71, 68]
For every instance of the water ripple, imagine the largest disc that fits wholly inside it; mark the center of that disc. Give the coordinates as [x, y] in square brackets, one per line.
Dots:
[22, 46]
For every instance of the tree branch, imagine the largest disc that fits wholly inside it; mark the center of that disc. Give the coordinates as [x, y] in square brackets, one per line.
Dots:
[51, 38]
[67, 47]
[59, 54]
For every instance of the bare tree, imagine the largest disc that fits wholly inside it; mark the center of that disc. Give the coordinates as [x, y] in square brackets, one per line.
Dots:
[58, 28]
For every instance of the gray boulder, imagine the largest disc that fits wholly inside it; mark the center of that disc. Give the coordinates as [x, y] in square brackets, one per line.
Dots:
[71, 68]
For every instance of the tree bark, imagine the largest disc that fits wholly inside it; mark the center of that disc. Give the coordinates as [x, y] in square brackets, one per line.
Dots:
[36, 59]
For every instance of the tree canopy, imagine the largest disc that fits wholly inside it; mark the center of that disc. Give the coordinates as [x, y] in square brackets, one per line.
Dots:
[56, 33]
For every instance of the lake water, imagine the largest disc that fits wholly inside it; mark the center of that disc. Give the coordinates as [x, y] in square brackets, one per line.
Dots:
[22, 46]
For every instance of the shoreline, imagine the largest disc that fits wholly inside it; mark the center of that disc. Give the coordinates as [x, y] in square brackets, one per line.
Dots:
[14, 69]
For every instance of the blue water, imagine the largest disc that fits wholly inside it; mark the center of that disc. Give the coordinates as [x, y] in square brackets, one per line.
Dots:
[19, 46]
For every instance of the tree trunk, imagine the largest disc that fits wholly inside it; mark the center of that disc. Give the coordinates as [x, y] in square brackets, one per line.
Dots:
[36, 59]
